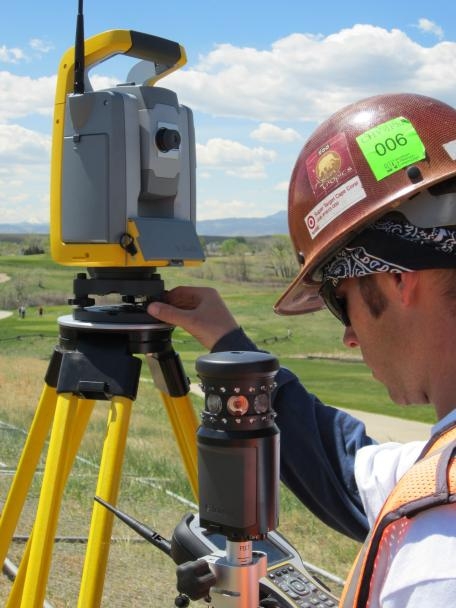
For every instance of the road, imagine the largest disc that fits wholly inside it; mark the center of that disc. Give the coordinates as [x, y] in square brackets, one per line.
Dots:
[4, 313]
[387, 428]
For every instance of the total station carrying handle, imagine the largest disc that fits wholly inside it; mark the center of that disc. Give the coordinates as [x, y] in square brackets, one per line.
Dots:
[167, 55]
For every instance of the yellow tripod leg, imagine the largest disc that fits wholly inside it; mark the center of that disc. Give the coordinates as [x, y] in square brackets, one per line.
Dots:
[49, 503]
[83, 413]
[184, 424]
[26, 468]
[107, 488]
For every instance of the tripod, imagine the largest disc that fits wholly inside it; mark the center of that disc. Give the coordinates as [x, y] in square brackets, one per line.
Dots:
[94, 360]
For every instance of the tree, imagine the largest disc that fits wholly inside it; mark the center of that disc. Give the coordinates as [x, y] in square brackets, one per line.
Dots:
[229, 247]
[32, 246]
[283, 260]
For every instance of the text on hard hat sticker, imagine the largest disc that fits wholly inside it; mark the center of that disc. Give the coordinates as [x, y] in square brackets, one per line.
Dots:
[391, 146]
[340, 199]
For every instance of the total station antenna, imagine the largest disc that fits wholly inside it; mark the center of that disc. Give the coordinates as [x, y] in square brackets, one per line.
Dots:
[79, 58]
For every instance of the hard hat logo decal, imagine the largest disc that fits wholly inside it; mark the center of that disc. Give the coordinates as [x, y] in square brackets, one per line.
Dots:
[391, 146]
[328, 166]
[334, 182]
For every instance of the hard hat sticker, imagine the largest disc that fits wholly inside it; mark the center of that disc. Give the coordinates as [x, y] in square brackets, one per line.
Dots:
[330, 166]
[338, 201]
[391, 146]
[335, 183]
[450, 148]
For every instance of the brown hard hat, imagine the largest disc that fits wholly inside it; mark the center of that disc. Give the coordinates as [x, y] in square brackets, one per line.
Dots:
[361, 163]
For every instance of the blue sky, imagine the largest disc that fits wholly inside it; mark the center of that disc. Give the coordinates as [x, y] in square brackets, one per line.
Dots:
[260, 76]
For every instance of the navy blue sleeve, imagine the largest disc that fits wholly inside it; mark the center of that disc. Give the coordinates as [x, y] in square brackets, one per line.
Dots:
[318, 449]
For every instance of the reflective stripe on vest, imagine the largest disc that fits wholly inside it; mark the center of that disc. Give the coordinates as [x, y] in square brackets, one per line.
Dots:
[430, 482]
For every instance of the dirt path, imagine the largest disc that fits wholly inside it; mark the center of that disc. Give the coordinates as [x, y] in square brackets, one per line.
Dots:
[386, 428]
[4, 313]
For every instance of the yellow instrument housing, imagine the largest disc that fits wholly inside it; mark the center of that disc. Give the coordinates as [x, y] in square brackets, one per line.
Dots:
[171, 56]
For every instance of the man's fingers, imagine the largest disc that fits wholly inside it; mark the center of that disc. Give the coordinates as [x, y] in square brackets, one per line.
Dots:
[164, 312]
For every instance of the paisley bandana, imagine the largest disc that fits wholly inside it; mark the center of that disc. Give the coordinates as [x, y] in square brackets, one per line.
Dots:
[392, 244]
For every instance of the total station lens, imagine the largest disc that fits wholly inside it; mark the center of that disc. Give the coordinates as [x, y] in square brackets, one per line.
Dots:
[167, 139]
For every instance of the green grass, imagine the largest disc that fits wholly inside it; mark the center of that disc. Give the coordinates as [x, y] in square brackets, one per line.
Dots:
[292, 339]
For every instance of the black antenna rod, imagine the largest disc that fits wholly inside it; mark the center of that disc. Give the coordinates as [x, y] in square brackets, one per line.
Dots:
[79, 52]
[152, 537]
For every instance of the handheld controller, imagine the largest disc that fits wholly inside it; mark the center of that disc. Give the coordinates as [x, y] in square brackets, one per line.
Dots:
[287, 583]
[287, 580]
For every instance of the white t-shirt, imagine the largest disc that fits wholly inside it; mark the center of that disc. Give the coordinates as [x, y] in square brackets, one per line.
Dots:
[419, 568]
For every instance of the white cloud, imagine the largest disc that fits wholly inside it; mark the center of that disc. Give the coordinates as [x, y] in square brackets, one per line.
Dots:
[234, 158]
[20, 145]
[300, 78]
[23, 96]
[303, 77]
[282, 186]
[24, 174]
[267, 132]
[11, 55]
[103, 82]
[430, 27]
[41, 46]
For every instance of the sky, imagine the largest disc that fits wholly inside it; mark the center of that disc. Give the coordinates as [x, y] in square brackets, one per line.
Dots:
[259, 78]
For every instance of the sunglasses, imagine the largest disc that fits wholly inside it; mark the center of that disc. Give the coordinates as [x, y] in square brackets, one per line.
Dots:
[336, 304]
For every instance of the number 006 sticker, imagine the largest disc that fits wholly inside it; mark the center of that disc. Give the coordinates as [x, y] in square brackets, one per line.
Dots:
[391, 146]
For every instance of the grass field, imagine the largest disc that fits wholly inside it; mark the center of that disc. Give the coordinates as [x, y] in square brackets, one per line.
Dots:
[138, 574]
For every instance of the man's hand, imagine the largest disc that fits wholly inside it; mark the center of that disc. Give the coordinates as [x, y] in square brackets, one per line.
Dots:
[199, 310]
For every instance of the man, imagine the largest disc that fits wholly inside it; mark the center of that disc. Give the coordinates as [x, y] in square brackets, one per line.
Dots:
[372, 215]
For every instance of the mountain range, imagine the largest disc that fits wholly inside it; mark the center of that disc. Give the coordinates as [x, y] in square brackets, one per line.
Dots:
[229, 227]
[245, 226]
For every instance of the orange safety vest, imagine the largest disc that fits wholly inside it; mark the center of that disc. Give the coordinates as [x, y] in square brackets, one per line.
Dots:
[430, 482]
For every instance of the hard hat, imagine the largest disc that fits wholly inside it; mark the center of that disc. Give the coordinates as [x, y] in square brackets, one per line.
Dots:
[372, 157]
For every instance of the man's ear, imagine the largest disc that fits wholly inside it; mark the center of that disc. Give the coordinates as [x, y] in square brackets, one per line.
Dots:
[406, 284]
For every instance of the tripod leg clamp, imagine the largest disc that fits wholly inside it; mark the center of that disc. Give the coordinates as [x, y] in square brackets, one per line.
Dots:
[168, 373]
[100, 368]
